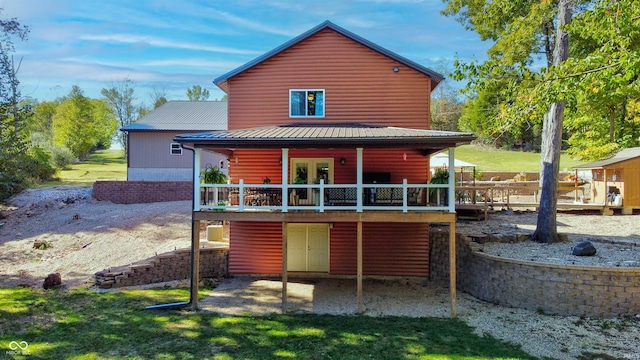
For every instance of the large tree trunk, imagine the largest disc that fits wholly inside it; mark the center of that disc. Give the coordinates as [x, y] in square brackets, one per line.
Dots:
[546, 227]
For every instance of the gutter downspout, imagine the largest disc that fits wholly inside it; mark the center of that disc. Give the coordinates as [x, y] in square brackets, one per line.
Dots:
[185, 304]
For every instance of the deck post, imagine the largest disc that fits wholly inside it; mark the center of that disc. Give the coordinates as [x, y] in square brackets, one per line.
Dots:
[359, 268]
[359, 177]
[195, 263]
[285, 179]
[284, 267]
[452, 182]
[452, 265]
[197, 155]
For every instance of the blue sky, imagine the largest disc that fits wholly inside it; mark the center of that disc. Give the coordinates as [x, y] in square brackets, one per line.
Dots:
[174, 44]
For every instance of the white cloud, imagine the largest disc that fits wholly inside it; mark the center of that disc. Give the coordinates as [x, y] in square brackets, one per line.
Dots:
[152, 41]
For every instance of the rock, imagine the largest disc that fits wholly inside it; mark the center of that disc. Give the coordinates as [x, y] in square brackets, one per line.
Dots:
[52, 280]
[584, 248]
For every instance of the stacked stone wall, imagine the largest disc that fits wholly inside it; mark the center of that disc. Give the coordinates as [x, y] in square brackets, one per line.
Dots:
[170, 266]
[552, 289]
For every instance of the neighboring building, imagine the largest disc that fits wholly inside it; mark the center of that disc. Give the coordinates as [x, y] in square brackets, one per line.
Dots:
[329, 146]
[614, 181]
[155, 156]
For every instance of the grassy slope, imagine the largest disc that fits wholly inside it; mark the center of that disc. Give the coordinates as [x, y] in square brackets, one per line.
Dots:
[101, 165]
[80, 324]
[487, 159]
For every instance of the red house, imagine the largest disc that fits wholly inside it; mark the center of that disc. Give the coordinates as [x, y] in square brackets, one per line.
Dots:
[328, 146]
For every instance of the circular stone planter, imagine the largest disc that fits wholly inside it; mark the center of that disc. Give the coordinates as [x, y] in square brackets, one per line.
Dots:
[592, 291]
[553, 289]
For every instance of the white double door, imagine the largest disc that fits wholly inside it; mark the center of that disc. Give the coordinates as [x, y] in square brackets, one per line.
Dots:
[308, 247]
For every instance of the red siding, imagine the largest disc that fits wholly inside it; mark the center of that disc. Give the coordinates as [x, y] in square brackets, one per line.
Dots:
[255, 248]
[388, 249]
[360, 86]
[254, 165]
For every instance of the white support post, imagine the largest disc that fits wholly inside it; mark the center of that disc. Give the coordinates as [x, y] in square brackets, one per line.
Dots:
[321, 196]
[197, 155]
[359, 188]
[285, 179]
[452, 181]
[405, 198]
[241, 195]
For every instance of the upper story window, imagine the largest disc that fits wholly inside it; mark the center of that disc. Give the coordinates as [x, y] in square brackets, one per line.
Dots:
[306, 103]
[176, 149]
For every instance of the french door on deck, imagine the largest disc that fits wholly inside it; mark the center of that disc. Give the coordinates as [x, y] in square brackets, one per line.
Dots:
[310, 171]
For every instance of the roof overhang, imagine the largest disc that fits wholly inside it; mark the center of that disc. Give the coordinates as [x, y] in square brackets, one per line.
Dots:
[328, 136]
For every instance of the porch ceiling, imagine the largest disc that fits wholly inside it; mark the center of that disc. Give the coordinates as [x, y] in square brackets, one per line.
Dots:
[350, 135]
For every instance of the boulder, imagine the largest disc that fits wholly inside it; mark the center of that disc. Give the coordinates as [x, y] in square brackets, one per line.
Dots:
[584, 248]
[52, 280]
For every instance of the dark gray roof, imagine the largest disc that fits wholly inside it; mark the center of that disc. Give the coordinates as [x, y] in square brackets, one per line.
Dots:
[436, 77]
[184, 116]
[328, 135]
[622, 155]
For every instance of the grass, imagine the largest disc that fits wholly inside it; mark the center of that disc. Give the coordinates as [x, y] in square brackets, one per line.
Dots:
[488, 159]
[79, 324]
[101, 165]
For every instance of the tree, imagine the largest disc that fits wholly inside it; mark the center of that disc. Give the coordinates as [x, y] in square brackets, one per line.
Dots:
[14, 175]
[522, 30]
[604, 80]
[82, 124]
[197, 93]
[120, 96]
[546, 227]
[158, 97]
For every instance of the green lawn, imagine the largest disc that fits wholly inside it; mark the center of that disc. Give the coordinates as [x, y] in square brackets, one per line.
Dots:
[101, 165]
[79, 324]
[487, 159]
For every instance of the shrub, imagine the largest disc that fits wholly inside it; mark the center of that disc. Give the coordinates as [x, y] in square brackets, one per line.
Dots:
[63, 158]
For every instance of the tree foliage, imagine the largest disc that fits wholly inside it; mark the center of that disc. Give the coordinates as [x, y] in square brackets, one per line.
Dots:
[197, 93]
[81, 124]
[120, 96]
[15, 159]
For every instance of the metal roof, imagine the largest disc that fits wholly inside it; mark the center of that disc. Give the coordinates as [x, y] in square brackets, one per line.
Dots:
[436, 77]
[346, 135]
[184, 116]
[622, 155]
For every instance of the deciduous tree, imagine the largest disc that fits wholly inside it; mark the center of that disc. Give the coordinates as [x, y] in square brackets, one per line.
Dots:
[120, 96]
[14, 175]
[197, 93]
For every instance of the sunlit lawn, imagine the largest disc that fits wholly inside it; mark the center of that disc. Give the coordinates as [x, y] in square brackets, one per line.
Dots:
[101, 165]
[79, 324]
[487, 159]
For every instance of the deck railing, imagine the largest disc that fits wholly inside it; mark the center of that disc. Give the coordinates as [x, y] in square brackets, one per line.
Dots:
[323, 197]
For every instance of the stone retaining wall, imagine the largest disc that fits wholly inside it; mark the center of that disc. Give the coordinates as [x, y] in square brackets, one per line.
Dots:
[136, 192]
[552, 289]
[170, 266]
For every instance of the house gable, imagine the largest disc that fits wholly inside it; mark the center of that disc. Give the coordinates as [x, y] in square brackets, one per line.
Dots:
[360, 83]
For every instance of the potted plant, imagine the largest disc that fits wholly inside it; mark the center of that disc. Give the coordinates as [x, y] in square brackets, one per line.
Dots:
[212, 175]
[441, 177]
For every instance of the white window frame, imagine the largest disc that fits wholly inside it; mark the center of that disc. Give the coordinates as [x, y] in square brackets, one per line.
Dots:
[173, 147]
[324, 101]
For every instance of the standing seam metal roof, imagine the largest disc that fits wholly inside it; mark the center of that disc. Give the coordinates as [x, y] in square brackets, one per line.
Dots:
[326, 134]
[184, 116]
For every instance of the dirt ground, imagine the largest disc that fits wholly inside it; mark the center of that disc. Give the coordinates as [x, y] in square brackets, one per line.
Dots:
[83, 235]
